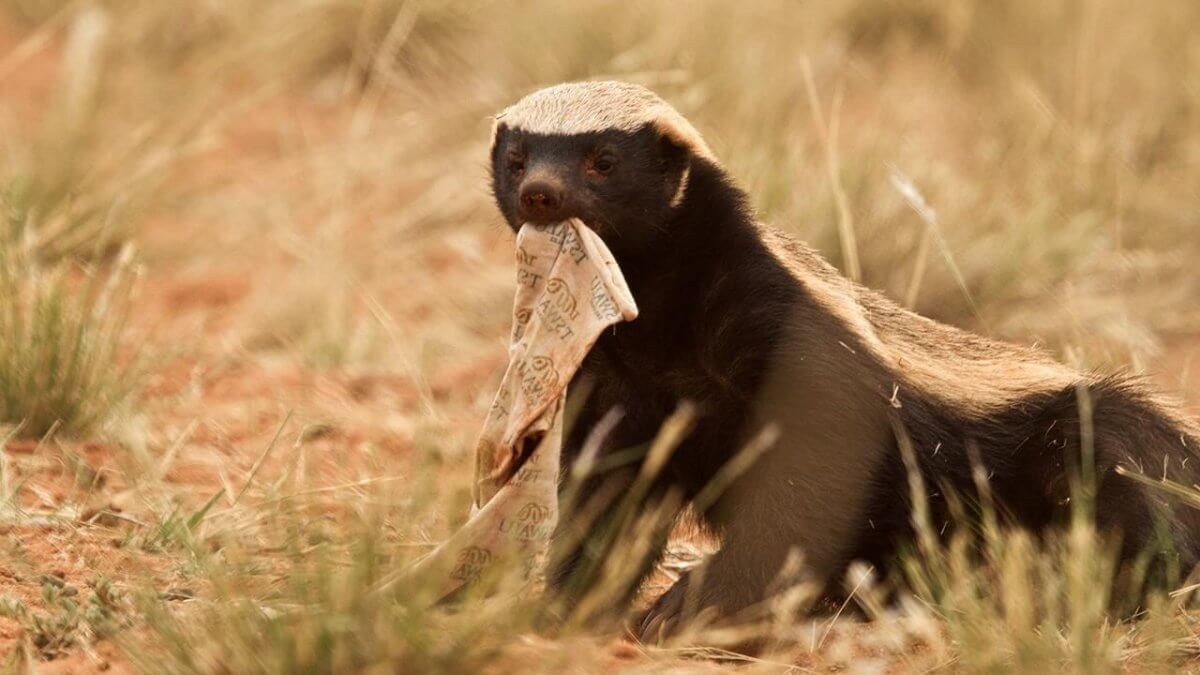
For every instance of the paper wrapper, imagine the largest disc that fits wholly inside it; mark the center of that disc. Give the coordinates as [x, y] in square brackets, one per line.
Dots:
[569, 289]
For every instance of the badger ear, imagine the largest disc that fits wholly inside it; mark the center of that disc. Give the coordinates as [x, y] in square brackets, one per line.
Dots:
[673, 127]
[677, 166]
[680, 144]
[498, 128]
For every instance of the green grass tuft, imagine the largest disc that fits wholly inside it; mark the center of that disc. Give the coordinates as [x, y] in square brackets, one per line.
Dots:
[62, 331]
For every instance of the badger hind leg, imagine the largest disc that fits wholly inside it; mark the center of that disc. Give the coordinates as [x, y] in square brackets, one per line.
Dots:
[1157, 535]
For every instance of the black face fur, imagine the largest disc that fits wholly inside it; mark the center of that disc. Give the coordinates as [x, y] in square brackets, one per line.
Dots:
[620, 184]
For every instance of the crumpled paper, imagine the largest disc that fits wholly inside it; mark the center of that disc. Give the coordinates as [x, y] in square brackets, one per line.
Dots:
[569, 290]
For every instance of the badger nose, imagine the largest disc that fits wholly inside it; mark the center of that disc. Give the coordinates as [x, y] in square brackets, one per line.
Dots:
[541, 202]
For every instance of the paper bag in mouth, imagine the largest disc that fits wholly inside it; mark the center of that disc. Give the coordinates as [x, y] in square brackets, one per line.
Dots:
[569, 290]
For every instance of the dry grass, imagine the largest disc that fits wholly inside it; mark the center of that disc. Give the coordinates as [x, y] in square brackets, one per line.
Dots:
[323, 267]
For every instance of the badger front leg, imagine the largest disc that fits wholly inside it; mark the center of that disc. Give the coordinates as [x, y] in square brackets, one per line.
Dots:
[584, 531]
[784, 524]
[734, 585]
[598, 504]
[608, 543]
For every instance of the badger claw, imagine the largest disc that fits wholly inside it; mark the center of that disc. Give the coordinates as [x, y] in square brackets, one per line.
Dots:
[662, 619]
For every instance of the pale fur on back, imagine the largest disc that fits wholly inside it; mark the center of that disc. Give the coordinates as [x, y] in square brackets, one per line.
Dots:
[975, 374]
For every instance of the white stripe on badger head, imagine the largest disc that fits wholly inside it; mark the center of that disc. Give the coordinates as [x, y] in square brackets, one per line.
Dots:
[589, 107]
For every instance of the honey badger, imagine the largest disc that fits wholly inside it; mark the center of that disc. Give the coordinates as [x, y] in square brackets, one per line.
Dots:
[756, 329]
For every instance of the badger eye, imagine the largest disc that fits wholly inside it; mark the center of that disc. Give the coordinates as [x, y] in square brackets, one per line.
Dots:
[602, 165]
[516, 163]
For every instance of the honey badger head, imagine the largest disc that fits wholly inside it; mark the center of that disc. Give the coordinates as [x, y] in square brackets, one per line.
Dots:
[612, 154]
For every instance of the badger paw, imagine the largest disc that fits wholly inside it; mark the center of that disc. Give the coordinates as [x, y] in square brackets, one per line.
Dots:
[664, 616]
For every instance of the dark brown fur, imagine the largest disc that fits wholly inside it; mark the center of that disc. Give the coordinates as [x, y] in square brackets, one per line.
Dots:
[757, 330]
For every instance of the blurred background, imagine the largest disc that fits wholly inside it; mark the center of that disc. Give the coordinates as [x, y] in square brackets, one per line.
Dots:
[224, 222]
[324, 142]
